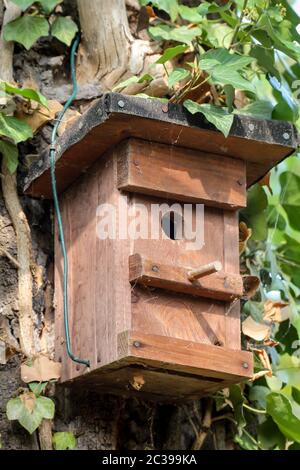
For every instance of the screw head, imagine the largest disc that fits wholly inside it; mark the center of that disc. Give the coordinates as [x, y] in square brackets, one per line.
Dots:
[286, 136]
[40, 163]
[136, 344]
[155, 268]
[245, 365]
[26, 180]
[240, 182]
[165, 108]
[121, 104]
[251, 127]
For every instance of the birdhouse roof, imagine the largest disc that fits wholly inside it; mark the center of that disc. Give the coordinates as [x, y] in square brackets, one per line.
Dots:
[114, 117]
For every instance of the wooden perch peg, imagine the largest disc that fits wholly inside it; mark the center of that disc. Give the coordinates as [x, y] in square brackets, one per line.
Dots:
[204, 270]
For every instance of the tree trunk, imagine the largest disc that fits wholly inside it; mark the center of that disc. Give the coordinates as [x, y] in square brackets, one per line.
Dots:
[109, 53]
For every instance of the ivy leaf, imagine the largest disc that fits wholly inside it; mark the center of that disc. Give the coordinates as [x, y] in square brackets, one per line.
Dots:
[280, 408]
[214, 114]
[64, 441]
[14, 129]
[255, 213]
[290, 184]
[49, 5]
[23, 4]
[30, 420]
[181, 34]
[176, 75]
[259, 109]
[45, 407]
[171, 52]
[10, 155]
[37, 387]
[270, 436]
[134, 79]
[26, 30]
[25, 92]
[64, 29]
[14, 408]
[211, 59]
[245, 442]
[265, 59]
[227, 76]
[190, 14]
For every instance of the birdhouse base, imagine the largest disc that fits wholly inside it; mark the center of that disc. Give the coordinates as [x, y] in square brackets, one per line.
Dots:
[167, 369]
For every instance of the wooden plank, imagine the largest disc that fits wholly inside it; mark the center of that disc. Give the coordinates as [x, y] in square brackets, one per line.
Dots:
[182, 174]
[187, 356]
[232, 265]
[219, 286]
[262, 143]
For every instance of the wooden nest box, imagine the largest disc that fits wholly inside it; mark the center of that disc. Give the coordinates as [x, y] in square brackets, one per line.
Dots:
[154, 316]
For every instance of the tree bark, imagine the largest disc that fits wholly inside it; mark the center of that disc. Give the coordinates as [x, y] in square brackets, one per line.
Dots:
[109, 53]
[7, 48]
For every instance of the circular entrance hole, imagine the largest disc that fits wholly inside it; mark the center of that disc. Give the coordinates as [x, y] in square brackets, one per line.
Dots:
[172, 225]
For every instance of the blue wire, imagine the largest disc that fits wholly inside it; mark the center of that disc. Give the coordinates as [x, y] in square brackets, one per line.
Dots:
[57, 208]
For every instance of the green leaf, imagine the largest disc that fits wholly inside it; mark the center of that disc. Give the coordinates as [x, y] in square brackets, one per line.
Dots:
[229, 93]
[245, 442]
[10, 155]
[269, 435]
[237, 399]
[26, 30]
[176, 75]
[25, 92]
[171, 52]
[288, 369]
[64, 441]
[218, 116]
[259, 109]
[23, 4]
[14, 408]
[49, 5]
[211, 59]
[45, 407]
[181, 34]
[37, 387]
[265, 58]
[226, 76]
[64, 29]
[290, 184]
[255, 213]
[14, 129]
[30, 420]
[190, 14]
[125, 83]
[280, 408]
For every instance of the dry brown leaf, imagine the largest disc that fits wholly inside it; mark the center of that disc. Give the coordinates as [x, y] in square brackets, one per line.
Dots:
[69, 118]
[42, 369]
[244, 235]
[28, 399]
[275, 311]
[258, 375]
[255, 330]
[138, 382]
[41, 116]
[250, 284]
[264, 359]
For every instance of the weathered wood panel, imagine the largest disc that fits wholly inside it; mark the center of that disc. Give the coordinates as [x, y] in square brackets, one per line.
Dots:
[182, 174]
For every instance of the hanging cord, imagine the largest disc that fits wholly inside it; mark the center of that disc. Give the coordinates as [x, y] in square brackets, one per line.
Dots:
[57, 208]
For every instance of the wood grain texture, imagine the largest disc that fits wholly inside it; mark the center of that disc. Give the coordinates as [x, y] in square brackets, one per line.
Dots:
[188, 356]
[182, 174]
[218, 286]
